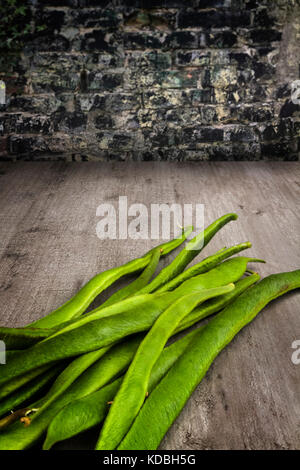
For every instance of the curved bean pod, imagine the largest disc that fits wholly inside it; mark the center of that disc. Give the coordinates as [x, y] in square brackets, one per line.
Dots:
[22, 338]
[70, 374]
[89, 411]
[134, 387]
[192, 249]
[159, 412]
[18, 437]
[25, 393]
[112, 364]
[16, 382]
[43, 333]
[85, 296]
[138, 284]
[102, 332]
[86, 412]
[204, 266]
[231, 270]
[215, 305]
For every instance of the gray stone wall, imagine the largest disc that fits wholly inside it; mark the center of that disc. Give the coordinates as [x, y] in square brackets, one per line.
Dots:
[156, 80]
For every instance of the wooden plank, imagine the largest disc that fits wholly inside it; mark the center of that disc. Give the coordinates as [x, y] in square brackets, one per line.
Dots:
[49, 248]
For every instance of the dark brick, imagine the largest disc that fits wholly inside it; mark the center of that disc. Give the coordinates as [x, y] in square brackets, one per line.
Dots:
[269, 133]
[105, 60]
[213, 19]
[68, 121]
[121, 102]
[252, 92]
[213, 3]
[251, 4]
[286, 128]
[99, 18]
[288, 109]
[221, 39]
[155, 20]
[32, 125]
[264, 51]
[57, 3]
[93, 3]
[181, 40]
[283, 91]
[265, 35]
[263, 18]
[193, 58]
[202, 96]
[95, 41]
[154, 59]
[162, 154]
[53, 20]
[193, 135]
[177, 78]
[241, 59]
[48, 83]
[164, 138]
[104, 121]
[97, 102]
[143, 40]
[48, 42]
[29, 145]
[153, 99]
[254, 113]
[241, 134]
[104, 81]
[150, 4]
[280, 150]
[115, 140]
[263, 71]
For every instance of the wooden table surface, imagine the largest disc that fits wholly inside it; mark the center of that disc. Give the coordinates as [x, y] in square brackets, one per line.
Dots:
[250, 398]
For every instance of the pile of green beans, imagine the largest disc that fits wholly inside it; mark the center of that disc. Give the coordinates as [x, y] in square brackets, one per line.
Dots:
[121, 366]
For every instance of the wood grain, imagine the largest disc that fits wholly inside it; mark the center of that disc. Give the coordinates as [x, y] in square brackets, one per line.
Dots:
[49, 248]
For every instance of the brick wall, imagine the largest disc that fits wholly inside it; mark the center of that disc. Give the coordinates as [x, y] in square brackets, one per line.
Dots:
[159, 79]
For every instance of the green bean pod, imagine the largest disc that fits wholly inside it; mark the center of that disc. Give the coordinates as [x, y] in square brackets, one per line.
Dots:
[44, 333]
[218, 303]
[231, 270]
[70, 374]
[87, 412]
[138, 284]
[84, 413]
[214, 305]
[19, 381]
[102, 332]
[17, 437]
[134, 387]
[187, 254]
[204, 266]
[159, 412]
[106, 369]
[22, 338]
[85, 296]
[24, 394]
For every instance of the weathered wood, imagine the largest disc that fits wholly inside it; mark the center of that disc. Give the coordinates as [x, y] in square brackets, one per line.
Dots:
[49, 248]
